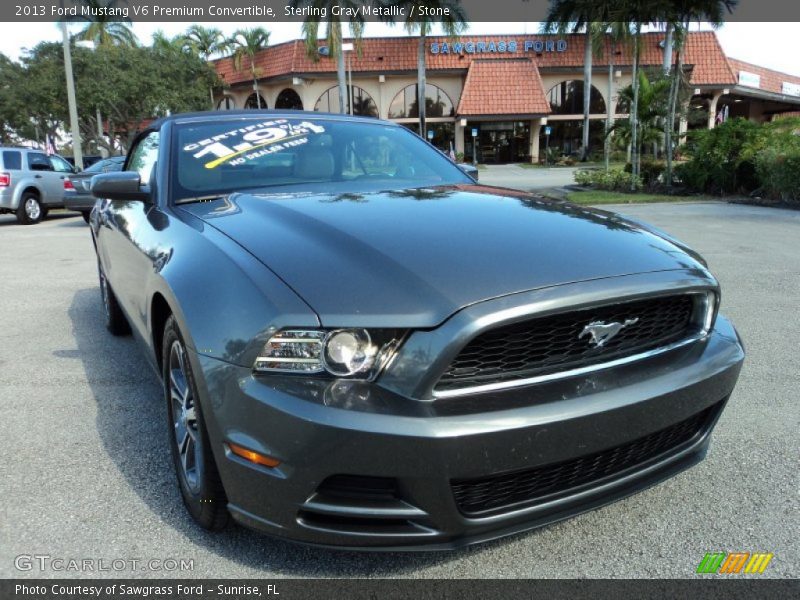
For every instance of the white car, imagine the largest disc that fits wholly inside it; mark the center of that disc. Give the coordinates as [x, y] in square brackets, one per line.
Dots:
[31, 183]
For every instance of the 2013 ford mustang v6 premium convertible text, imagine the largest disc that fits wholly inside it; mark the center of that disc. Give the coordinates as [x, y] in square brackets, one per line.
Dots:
[362, 346]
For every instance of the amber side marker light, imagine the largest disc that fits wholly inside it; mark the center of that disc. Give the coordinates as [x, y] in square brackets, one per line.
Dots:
[259, 459]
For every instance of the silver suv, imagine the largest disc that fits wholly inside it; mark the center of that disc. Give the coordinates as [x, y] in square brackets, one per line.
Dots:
[31, 183]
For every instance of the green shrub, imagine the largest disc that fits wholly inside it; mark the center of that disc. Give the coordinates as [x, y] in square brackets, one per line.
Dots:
[650, 171]
[778, 168]
[721, 160]
[615, 180]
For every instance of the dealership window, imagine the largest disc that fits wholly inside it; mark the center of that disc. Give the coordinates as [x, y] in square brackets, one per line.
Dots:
[254, 100]
[405, 104]
[289, 99]
[566, 137]
[566, 98]
[363, 104]
[443, 137]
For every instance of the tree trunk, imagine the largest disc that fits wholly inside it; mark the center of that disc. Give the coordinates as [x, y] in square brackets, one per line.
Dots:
[340, 70]
[255, 83]
[587, 90]
[668, 43]
[211, 95]
[634, 116]
[421, 82]
[675, 85]
[609, 109]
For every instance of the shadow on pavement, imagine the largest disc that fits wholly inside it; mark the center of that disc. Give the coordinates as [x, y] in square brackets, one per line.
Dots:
[8, 219]
[131, 424]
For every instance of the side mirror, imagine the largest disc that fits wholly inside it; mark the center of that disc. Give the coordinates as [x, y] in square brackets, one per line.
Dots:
[470, 170]
[122, 185]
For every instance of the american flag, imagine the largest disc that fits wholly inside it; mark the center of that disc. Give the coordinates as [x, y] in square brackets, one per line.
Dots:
[50, 145]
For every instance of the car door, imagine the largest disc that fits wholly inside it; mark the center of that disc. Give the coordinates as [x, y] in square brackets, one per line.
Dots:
[47, 180]
[127, 236]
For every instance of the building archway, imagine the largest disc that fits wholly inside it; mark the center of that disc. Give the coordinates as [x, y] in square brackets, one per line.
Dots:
[289, 99]
[363, 104]
[566, 98]
[253, 101]
[405, 103]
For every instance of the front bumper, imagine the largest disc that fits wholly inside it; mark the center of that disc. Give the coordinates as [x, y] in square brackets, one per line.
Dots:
[322, 428]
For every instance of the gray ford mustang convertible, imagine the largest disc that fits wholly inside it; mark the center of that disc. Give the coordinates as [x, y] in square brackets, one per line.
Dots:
[362, 346]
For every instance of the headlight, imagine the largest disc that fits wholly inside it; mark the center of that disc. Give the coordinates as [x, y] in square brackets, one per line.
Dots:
[341, 352]
[348, 351]
[292, 351]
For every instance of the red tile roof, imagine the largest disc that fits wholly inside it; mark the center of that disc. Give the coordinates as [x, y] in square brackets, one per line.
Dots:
[386, 55]
[488, 78]
[771, 81]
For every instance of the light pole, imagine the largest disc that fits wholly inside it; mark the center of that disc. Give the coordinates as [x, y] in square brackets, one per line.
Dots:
[73, 107]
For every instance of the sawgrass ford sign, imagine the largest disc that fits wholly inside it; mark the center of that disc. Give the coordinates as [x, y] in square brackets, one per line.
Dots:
[498, 47]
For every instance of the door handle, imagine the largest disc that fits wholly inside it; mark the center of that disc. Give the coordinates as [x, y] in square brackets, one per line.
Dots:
[38, 176]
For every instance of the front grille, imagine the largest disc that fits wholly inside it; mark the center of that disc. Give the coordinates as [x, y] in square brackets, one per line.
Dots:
[550, 344]
[477, 497]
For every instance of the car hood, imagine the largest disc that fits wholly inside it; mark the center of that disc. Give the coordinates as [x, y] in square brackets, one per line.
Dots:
[412, 258]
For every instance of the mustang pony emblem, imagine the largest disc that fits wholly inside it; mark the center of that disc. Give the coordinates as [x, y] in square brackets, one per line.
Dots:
[602, 332]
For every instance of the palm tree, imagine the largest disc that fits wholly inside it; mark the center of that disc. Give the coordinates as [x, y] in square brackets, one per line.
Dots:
[635, 14]
[333, 35]
[206, 42]
[616, 33]
[452, 24]
[588, 16]
[653, 100]
[163, 44]
[681, 13]
[249, 42]
[105, 30]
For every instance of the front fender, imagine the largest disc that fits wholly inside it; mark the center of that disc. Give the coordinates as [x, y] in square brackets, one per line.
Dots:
[226, 302]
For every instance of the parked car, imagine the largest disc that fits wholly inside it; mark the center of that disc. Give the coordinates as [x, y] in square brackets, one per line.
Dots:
[362, 346]
[31, 183]
[88, 161]
[80, 199]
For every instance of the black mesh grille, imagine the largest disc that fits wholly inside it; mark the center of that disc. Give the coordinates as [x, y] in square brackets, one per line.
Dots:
[477, 497]
[553, 343]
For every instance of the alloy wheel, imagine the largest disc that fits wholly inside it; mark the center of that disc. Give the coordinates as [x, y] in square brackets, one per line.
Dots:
[184, 418]
[32, 209]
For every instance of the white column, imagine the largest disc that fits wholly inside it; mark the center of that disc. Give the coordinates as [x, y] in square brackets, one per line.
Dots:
[459, 135]
[536, 128]
[712, 109]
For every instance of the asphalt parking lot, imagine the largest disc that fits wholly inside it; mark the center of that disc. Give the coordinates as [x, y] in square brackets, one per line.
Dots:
[85, 471]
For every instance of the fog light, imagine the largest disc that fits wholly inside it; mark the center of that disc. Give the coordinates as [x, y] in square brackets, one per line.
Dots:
[255, 457]
[348, 351]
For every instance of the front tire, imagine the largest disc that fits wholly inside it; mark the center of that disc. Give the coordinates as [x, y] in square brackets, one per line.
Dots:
[116, 322]
[30, 210]
[198, 478]
[86, 215]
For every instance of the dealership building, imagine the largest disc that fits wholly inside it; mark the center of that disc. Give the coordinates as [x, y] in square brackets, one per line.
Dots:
[503, 97]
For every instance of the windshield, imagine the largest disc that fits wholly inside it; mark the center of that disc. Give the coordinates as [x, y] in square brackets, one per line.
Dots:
[303, 154]
[109, 164]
